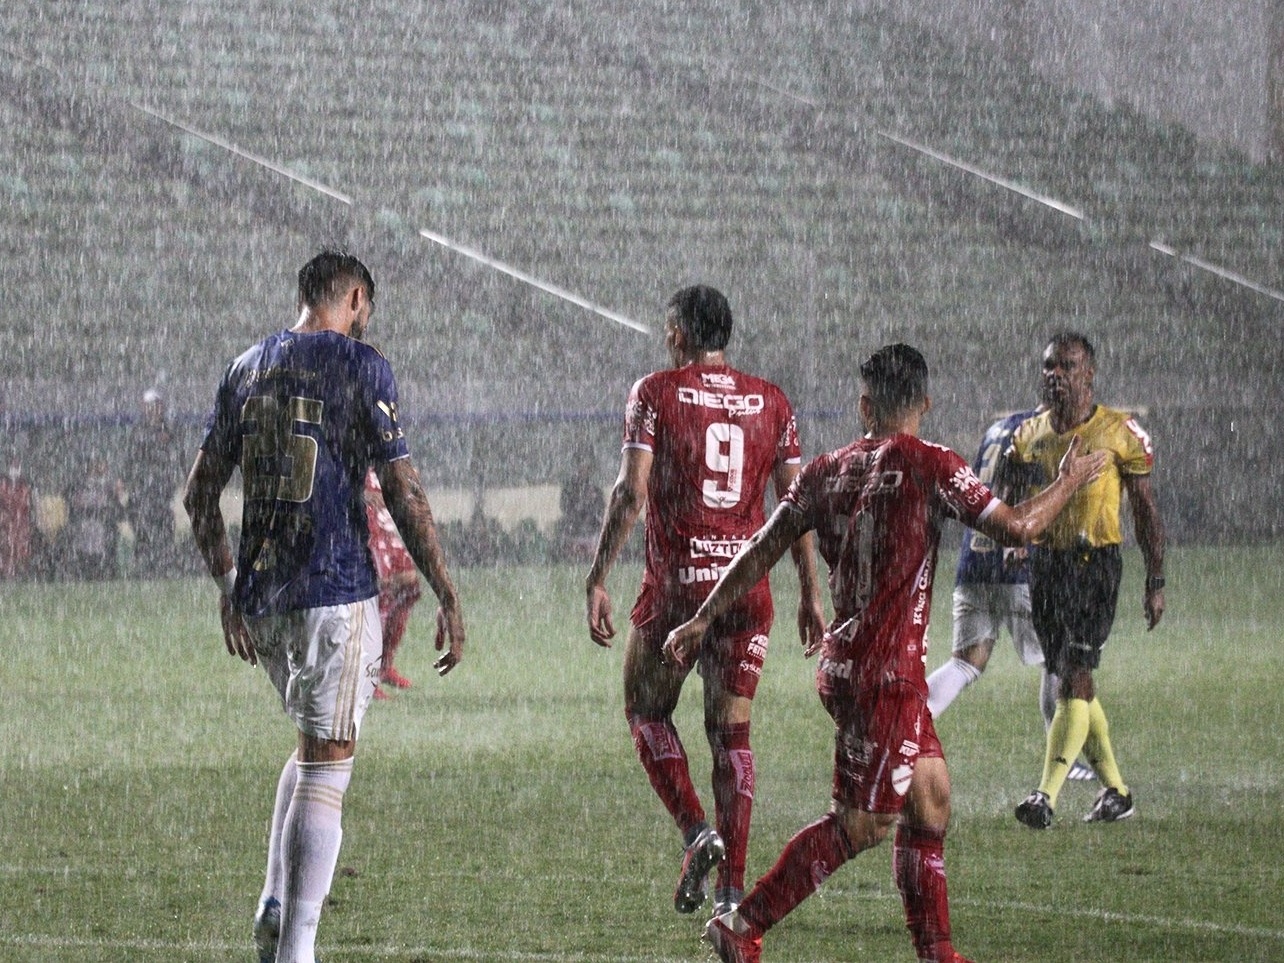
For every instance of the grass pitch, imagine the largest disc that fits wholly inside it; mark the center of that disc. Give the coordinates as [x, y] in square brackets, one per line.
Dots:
[499, 814]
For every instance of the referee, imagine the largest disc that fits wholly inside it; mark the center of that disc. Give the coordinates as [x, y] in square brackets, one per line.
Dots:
[1076, 568]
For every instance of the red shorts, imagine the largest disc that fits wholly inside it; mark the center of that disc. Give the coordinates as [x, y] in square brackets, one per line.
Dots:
[733, 649]
[879, 736]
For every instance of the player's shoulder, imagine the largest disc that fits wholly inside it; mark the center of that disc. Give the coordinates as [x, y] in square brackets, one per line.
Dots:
[1119, 427]
[657, 380]
[363, 352]
[1113, 418]
[1114, 423]
[1009, 423]
[841, 459]
[373, 349]
[746, 382]
[920, 451]
[1036, 424]
[262, 348]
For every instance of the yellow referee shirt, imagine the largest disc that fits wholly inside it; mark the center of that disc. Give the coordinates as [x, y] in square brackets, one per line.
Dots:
[1091, 517]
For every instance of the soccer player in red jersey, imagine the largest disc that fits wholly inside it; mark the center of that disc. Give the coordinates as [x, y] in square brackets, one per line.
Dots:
[399, 588]
[876, 506]
[701, 443]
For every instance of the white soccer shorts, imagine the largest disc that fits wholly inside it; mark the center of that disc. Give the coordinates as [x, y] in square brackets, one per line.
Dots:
[982, 610]
[324, 663]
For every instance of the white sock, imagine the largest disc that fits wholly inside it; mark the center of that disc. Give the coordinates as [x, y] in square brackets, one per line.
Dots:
[275, 880]
[312, 833]
[1048, 687]
[945, 684]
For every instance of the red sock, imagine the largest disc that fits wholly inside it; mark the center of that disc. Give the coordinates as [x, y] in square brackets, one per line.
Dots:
[665, 762]
[733, 784]
[918, 862]
[808, 859]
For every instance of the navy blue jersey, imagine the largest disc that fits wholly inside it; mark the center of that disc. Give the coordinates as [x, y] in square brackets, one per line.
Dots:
[981, 558]
[305, 415]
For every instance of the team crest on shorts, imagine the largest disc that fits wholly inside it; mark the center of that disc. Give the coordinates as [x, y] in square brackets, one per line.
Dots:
[901, 777]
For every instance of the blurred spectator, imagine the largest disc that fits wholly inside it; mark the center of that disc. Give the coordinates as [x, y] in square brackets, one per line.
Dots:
[583, 506]
[95, 512]
[155, 472]
[17, 521]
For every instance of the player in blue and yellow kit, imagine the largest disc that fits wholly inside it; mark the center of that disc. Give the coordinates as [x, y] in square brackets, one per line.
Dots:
[1076, 567]
[991, 587]
[304, 414]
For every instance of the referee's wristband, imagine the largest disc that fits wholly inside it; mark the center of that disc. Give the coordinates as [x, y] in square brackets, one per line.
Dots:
[226, 581]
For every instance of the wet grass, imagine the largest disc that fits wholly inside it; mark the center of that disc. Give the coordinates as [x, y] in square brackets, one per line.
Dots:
[498, 814]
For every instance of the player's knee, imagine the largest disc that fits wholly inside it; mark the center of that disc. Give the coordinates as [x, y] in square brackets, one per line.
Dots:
[725, 713]
[863, 830]
[928, 804]
[726, 737]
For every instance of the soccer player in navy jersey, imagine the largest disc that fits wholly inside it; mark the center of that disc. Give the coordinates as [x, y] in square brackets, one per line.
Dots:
[876, 506]
[304, 413]
[702, 441]
[991, 588]
[992, 592]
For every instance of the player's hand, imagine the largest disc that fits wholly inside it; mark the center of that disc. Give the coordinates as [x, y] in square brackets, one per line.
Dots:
[601, 628]
[1154, 608]
[811, 626]
[450, 637]
[683, 644]
[235, 635]
[1014, 558]
[1079, 469]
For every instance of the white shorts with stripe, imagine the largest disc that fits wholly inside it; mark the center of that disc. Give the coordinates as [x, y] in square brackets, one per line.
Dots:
[984, 609]
[324, 663]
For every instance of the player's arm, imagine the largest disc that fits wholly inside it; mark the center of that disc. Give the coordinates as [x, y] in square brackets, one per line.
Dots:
[785, 527]
[407, 502]
[811, 611]
[1149, 528]
[1012, 480]
[1023, 523]
[628, 497]
[205, 483]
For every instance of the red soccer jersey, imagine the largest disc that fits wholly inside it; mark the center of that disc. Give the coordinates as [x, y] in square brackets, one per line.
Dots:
[716, 435]
[386, 547]
[877, 506]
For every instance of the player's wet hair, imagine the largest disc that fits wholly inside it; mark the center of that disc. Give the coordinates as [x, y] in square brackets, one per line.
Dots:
[1066, 338]
[328, 275]
[703, 315]
[895, 377]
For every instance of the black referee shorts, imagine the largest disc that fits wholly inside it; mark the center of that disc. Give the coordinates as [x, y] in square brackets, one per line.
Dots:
[1073, 596]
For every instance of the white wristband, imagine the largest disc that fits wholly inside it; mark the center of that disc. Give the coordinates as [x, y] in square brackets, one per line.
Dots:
[227, 581]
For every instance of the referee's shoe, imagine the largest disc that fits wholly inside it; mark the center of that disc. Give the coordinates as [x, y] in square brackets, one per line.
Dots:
[1110, 807]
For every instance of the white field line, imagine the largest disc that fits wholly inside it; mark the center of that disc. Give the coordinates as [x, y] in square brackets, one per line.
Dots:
[1129, 919]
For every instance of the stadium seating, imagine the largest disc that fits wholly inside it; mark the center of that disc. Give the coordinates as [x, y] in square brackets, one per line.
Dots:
[618, 151]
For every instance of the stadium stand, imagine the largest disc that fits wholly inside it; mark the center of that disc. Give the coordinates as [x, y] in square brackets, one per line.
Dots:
[617, 151]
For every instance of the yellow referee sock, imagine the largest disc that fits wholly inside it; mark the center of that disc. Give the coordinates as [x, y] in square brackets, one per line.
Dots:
[1066, 736]
[1100, 752]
